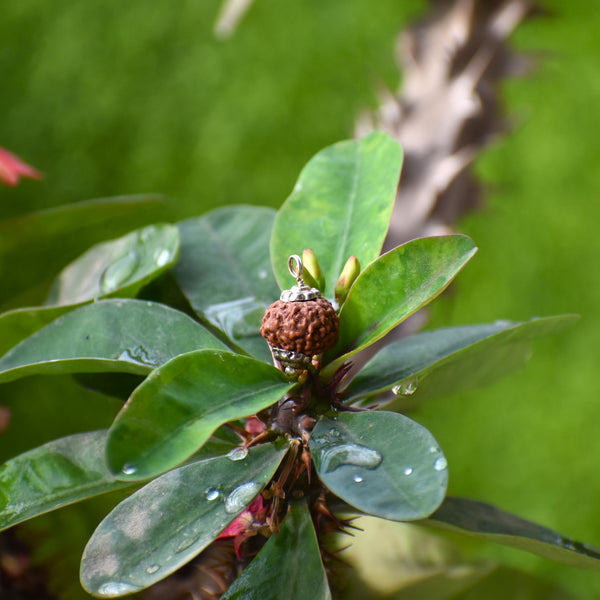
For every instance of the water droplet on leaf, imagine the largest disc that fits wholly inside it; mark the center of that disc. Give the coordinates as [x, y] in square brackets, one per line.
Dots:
[408, 470]
[185, 544]
[128, 469]
[440, 463]
[146, 234]
[358, 478]
[117, 274]
[162, 257]
[338, 455]
[503, 323]
[211, 493]
[152, 569]
[138, 355]
[406, 388]
[113, 589]
[238, 453]
[241, 496]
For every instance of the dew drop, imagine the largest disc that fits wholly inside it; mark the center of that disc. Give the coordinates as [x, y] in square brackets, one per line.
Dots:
[238, 453]
[241, 496]
[152, 569]
[262, 274]
[211, 493]
[119, 272]
[128, 469]
[408, 470]
[146, 234]
[358, 478]
[137, 355]
[185, 544]
[503, 323]
[440, 463]
[162, 257]
[349, 454]
[113, 589]
[406, 388]
[433, 449]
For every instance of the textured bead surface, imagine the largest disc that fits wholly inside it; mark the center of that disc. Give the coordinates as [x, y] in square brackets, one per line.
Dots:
[309, 327]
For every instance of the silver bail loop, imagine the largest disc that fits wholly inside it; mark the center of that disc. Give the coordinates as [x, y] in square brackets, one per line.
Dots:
[296, 270]
[299, 292]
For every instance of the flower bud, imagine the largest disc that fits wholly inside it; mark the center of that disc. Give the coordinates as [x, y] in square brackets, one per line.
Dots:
[312, 268]
[350, 272]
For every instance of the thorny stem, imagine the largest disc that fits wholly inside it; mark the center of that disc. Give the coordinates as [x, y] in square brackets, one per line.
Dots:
[294, 417]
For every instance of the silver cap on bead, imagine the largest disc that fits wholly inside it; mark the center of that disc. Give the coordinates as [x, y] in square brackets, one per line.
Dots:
[299, 292]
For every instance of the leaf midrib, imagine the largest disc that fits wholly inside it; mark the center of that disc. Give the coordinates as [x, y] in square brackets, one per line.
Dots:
[343, 246]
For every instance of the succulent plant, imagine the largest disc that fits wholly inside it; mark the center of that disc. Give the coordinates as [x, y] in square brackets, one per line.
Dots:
[237, 464]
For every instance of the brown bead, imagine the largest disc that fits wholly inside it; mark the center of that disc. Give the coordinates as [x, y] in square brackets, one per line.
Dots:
[308, 327]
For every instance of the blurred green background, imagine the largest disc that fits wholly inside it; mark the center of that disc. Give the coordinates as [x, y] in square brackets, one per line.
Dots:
[111, 98]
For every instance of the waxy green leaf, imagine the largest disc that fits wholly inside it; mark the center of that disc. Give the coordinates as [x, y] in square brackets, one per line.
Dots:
[341, 206]
[119, 335]
[177, 408]
[448, 361]
[166, 523]
[289, 565]
[119, 267]
[54, 475]
[487, 522]
[41, 243]
[381, 463]
[394, 287]
[20, 323]
[224, 271]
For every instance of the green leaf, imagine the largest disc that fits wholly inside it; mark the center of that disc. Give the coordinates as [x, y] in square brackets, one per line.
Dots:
[382, 463]
[487, 522]
[109, 335]
[289, 565]
[20, 323]
[448, 361]
[166, 523]
[224, 271]
[394, 287]
[341, 206]
[179, 405]
[119, 267]
[42, 242]
[54, 475]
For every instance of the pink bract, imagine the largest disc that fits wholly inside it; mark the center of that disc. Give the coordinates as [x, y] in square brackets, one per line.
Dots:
[12, 168]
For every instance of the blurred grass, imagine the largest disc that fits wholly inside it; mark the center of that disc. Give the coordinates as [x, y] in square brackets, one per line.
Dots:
[530, 444]
[109, 98]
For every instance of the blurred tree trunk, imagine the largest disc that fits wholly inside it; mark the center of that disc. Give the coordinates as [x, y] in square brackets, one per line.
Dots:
[448, 108]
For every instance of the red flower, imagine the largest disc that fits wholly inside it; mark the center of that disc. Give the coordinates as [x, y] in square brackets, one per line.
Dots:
[12, 168]
[246, 525]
